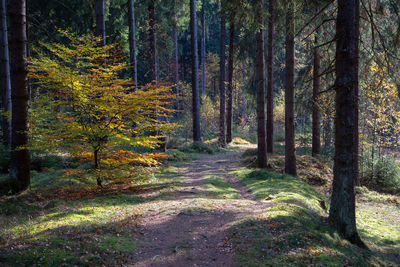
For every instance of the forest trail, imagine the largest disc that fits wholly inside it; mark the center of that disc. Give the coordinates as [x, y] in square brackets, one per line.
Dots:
[192, 226]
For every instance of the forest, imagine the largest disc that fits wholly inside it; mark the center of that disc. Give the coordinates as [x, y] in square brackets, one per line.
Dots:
[200, 133]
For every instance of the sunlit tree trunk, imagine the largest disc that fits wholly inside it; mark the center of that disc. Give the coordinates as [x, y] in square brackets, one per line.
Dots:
[132, 41]
[100, 22]
[342, 209]
[270, 92]
[316, 138]
[5, 82]
[20, 159]
[195, 73]
[222, 140]
[229, 112]
[290, 150]
[260, 83]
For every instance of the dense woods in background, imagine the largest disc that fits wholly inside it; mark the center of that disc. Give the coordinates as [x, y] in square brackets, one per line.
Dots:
[295, 72]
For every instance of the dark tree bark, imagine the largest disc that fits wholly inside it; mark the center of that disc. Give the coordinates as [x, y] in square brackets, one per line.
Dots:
[5, 82]
[229, 112]
[260, 83]
[356, 95]
[327, 131]
[316, 138]
[342, 210]
[100, 22]
[290, 150]
[244, 100]
[176, 59]
[176, 48]
[20, 160]
[152, 42]
[203, 49]
[270, 91]
[132, 41]
[222, 140]
[195, 73]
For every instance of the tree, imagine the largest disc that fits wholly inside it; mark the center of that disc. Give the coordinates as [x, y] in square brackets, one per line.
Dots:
[5, 75]
[20, 159]
[260, 83]
[316, 139]
[132, 40]
[221, 139]
[229, 112]
[203, 48]
[356, 94]
[342, 210]
[152, 42]
[100, 22]
[195, 71]
[270, 91]
[176, 57]
[290, 150]
[87, 110]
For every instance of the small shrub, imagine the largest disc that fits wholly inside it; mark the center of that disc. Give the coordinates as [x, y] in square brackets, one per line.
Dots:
[240, 141]
[304, 139]
[200, 147]
[40, 161]
[382, 172]
[177, 156]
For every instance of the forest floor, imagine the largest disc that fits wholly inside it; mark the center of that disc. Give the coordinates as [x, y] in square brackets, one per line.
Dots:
[213, 211]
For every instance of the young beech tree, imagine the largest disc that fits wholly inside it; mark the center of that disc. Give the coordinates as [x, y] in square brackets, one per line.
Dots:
[86, 109]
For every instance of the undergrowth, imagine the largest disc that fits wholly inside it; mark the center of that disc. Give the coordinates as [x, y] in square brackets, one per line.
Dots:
[295, 232]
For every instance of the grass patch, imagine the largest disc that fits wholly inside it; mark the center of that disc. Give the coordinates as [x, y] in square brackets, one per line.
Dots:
[221, 188]
[90, 231]
[294, 232]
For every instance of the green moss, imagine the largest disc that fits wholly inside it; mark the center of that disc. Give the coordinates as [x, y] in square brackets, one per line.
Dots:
[221, 188]
[295, 232]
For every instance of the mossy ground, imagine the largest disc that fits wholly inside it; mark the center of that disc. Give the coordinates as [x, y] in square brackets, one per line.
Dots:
[99, 227]
[295, 232]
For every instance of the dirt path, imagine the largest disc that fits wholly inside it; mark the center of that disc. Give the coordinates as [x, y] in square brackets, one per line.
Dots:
[192, 228]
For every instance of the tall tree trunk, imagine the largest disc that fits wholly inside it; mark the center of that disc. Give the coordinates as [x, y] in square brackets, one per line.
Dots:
[356, 94]
[20, 159]
[222, 140]
[270, 91]
[244, 100]
[260, 83]
[327, 132]
[229, 112]
[100, 22]
[195, 73]
[203, 49]
[342, 210]
[290, 150]
[152, 42]
[176, 59]
[132, 41]
[316, 138]
[5, 82]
